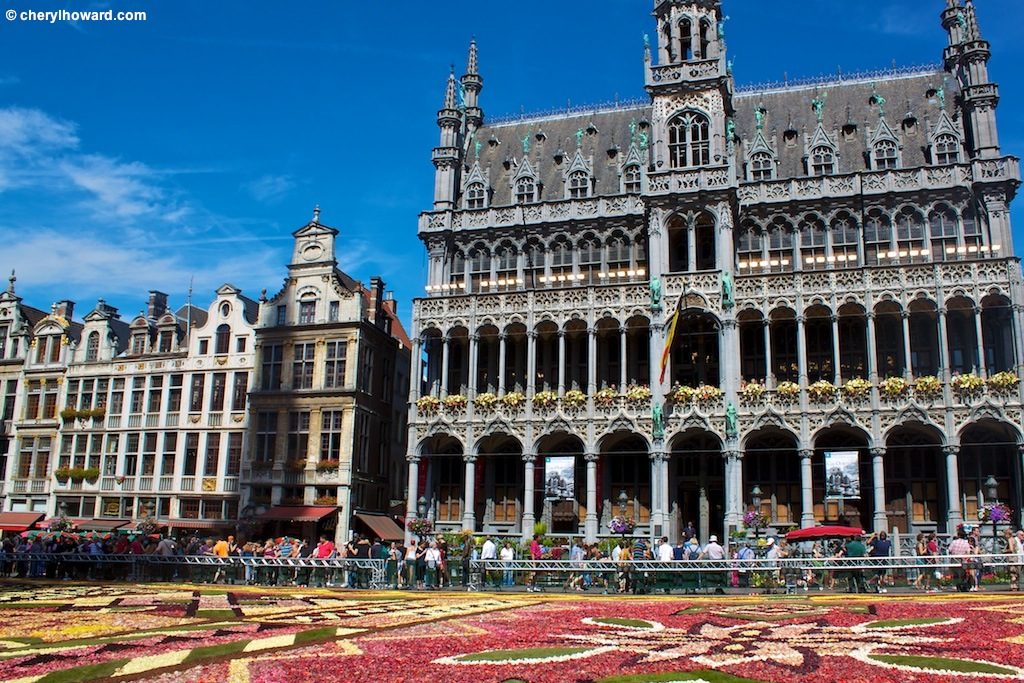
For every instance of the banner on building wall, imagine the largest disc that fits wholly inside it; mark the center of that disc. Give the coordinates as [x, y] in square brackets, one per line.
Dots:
[842, 474]
[560, 477]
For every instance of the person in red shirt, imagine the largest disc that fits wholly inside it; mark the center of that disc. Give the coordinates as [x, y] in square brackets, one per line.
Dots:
[324, 550]
[536, 553]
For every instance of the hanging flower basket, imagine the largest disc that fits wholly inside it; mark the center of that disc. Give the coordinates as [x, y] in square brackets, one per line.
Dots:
[682, 394]
[485, 402]
[455, 402]
[927, 388]
[706, 393]
[967, 385]
[788, 391]
[752, 392]
[1002, 382]
[822, 391]
[146, 525]
[621, 525]
[857, 388]
[513, 399]
[60, 525]
[421, 526]
[893, 387]
[638, 394]
[428, 405]
[997, 513]
[545, 399]
[755, 520]
[574, 398]
[605, 398]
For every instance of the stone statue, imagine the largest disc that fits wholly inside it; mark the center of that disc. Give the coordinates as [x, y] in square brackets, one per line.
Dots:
[642, 136]
[880, 101]
[730, 130]
[759, 117]
[721, 28]
[818, 104]
[727, 300]
[476, 148]
[526, 144]
[657, 421]
[731, 420]
[655, 294]
[579, 137]
[647, 42]
[940, 92]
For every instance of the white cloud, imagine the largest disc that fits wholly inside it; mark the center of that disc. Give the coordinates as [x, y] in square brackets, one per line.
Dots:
[9, 80]
[270, 189]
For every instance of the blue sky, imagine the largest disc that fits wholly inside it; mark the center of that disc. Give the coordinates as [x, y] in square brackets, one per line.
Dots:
[134, 156]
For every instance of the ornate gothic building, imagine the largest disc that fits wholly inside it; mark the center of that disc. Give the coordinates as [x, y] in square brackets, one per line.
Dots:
[831, 261]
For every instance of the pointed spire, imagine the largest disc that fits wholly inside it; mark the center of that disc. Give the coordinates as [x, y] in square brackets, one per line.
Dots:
[316, 213]
[471, 65]
[449, 92]
[10, 282]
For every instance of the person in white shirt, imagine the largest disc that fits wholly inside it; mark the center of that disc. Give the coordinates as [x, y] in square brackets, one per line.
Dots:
[489, 552]
[713, 551]
[665, 550]
[433, 559]
[506, 555]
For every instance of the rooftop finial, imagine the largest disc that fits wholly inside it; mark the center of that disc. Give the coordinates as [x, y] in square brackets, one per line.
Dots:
[471, 66]
[449, 91]
[10, 282]
[316, 213]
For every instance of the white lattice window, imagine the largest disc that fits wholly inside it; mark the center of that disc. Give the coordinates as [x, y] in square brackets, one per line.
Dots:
[631, 179]
[910, 235]
[579, 185]
[942, 230]
[877, 237]
[780, 247]
[749, 248]
[689, 140]
[812, 244]
[823, 160]
[845, 238]
[479, 268]
[762, 166]
[526, 190]
[885, 155]
[947, 149]
[475, 196]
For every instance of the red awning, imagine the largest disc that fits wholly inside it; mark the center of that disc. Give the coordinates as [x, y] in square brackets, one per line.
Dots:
[133, 526]
[820, 533]
[381, 525]
[19, 521]
[99, 524]
[297, 513]
[200, 523]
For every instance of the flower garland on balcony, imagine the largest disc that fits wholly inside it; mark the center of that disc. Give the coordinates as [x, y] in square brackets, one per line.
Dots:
[968, 384]
[574, 398]
[682, 394]
[822, 391]
[428, 405]
[927, 387]
[325, 500]
[787, 391]
[421, 526]
[637, 394]
[297, 465]
[752, 391]
[485, 402]
[545, 399]
[621, 525]
[706, 393]
[1003, 381]
[455, 402]
[513, 399]
[893, 387]
[605, 398]
[328, 465]
[857, 388]
[997, 513]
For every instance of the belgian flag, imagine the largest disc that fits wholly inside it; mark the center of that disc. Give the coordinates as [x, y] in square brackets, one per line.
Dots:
[669, 337]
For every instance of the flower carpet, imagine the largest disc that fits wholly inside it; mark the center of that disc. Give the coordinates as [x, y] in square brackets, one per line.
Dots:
[168, 633]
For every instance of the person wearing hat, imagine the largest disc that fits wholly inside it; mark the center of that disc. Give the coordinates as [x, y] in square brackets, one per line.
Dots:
[714, 551]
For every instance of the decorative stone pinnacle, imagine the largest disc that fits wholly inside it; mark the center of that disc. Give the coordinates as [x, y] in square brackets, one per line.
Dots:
[316, 213]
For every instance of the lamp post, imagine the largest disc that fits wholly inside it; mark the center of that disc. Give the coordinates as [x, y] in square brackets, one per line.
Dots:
[991, 491]
[421, 507]
[755, 498]
[623, 499]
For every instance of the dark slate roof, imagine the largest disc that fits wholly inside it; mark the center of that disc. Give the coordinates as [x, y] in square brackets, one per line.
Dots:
[198, 315]
[787, 108]
[559, 132]
[846, 103]
[32, 315]
[120, 330]
[252, 309]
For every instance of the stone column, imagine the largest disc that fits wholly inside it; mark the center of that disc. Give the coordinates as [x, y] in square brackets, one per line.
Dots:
[881, 521]
[469, 511]
[415, 382]
[837, 377]
[590, 523]
[871, 352]
[908, 369]
[801, 350]
[941, 343]
[980, 344]
[1018, 340]
[411, 490]
[806, 488]
[502, 347]
[474, 366]
[769, 376]
[622, 357]
[529, 518]
[954, 515]
[444, 367]
[531, 362]
[591, 361]
[656, 507]
[733, 488]
[691, 246]
[561, 362]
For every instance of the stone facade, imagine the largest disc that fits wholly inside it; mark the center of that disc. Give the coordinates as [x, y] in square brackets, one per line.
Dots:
[835, 259]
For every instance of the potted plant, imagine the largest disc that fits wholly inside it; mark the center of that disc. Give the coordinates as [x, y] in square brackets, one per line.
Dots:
[513, 399]
[574, 398]
[787, 391]
[485, 402]
[996, 513]
[822, 391]
[621, 525]
[91, 474]
[927, 387]
[62, 474]
[967, 385]
[857, 388]
[752, 391]
[421, 526]
[638, 394]
[545, 399]
[327, 465]
[682, 394]
[893, 388]
[428, 405]
[325, 500]
[455, 402]
[706, 393]
[295, 465]
[1003, 382]
[605, 398]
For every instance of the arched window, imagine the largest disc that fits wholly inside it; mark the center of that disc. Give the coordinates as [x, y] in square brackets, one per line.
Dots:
[618, 252]
[780, 246]
[689, 135]
[479, 267]
[222, 343]
[885, 155]
[579, 185]
[942, 231]
[845, 238]
[748, 247]
[910, 234]
[972, 232]
[590, 257]
[685, 40]
[877, 237]
[631, 179]
[505, 262]
[947, 149]
[823, 160]
[561, 254]
[475, 196]
[812, 243]
[705, 38]
[92, 346]
[526, 190]
[762, 166]
[307, 310]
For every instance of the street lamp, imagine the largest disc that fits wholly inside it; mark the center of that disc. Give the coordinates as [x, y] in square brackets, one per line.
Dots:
[623, 499]
[421, 507]
[991, 491]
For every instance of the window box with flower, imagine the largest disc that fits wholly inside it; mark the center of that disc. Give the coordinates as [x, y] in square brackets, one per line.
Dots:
[574, 399]
[752, 392]
[1003, 382]
[822, 391]
[545, 399]
[606, 398]
[787, 392]
[513, 400]
[62, 474]
[706, 394]
[328, 465]
[893, 388]
[927, 388]
[856, 389]
[326, 500]
[485, 402]
[682, 394]
[296, 465]
[967, 386]
[455, 402]
[428, 405]
[638, 394]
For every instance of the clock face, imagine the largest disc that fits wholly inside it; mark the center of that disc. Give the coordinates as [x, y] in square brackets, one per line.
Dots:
[312, 251]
